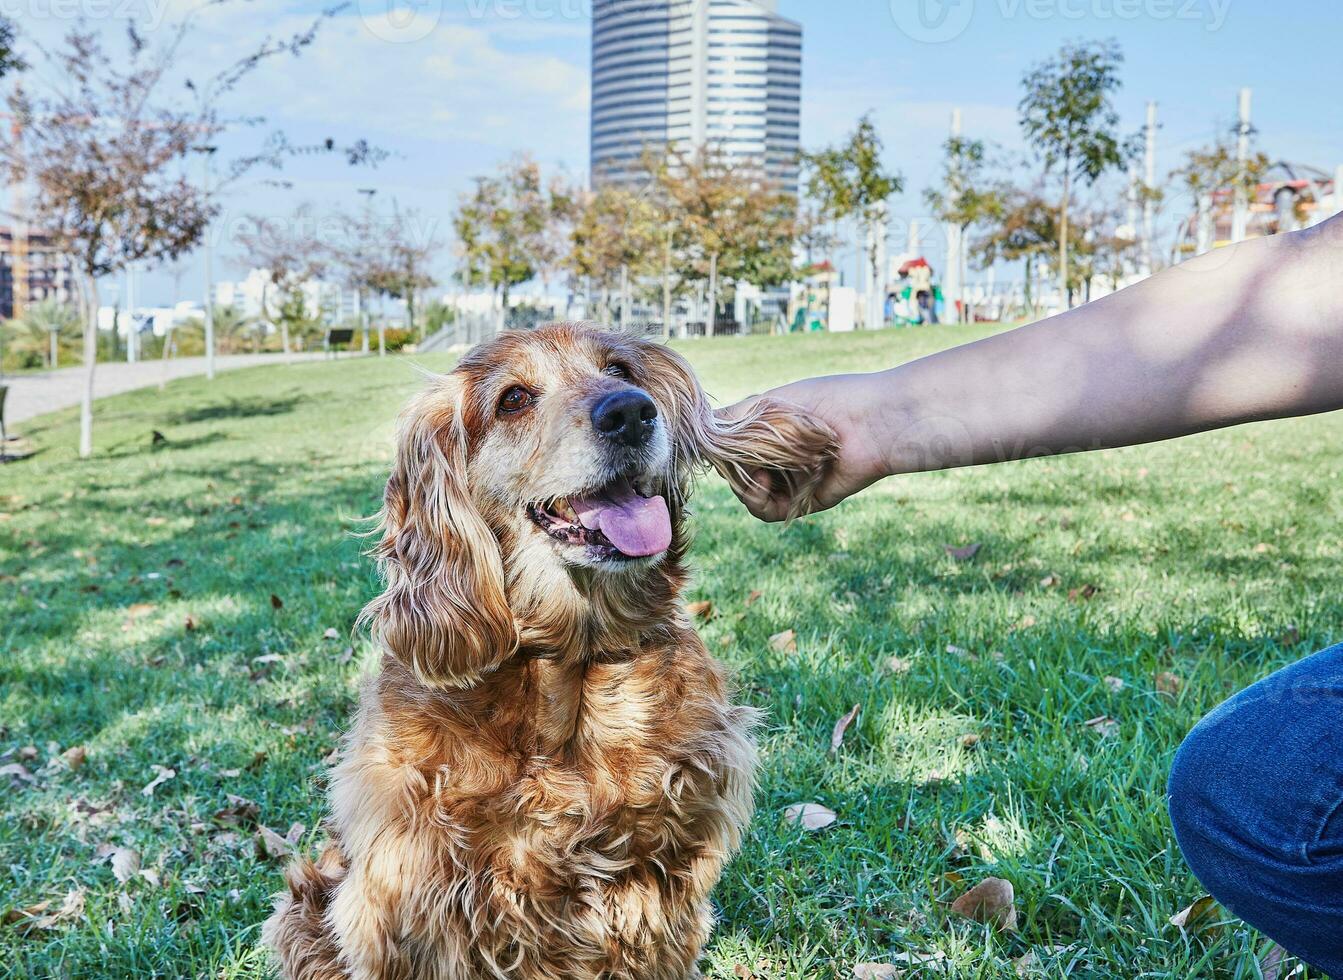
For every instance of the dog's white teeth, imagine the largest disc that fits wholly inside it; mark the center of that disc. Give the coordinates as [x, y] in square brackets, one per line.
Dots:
[564, 509]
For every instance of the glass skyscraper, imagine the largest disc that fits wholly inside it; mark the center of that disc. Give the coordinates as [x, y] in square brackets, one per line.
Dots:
[691, 72]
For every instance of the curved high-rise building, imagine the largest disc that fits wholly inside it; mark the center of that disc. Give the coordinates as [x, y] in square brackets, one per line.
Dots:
[691, 72]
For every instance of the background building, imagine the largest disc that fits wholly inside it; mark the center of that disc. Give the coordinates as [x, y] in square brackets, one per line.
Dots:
[43, 272]
[691, 72]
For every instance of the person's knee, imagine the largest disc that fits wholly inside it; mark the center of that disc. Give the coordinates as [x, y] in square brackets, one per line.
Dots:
[1191, 791]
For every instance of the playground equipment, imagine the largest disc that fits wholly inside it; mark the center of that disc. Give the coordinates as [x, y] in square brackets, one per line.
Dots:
[1292, 196]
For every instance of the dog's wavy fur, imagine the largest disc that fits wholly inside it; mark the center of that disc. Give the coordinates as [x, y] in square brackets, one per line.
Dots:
[546, 777]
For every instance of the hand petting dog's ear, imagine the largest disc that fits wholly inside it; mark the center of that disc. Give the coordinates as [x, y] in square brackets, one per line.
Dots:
[823, 472]
[775, 454]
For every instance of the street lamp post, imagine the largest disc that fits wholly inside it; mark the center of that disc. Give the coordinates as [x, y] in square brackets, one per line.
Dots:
[208, 152]
[368, 193]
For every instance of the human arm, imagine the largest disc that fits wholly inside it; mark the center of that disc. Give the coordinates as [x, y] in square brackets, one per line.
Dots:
[1248, 332]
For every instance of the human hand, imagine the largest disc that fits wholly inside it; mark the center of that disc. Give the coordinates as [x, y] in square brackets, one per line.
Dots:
[847, 405]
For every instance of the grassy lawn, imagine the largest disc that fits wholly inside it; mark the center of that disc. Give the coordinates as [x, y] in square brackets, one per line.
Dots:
[188, 608]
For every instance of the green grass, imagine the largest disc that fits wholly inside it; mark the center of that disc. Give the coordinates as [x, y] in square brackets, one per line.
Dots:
[1216, 558]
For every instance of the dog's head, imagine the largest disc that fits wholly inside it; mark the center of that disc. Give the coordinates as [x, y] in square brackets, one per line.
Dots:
[548, 465]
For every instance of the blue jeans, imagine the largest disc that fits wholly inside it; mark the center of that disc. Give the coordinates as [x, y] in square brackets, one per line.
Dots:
[1256, 797]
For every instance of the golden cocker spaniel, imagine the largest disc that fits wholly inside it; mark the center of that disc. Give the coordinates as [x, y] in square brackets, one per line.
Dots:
[546, 777]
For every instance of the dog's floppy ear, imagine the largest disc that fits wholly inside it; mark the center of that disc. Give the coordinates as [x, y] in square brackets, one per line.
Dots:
[444, 611]
[774, 440]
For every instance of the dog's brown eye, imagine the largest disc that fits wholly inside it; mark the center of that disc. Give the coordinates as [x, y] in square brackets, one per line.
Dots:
[515, 400]
[617, 370]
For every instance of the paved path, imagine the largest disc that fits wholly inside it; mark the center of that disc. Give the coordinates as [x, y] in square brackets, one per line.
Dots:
[35, 394]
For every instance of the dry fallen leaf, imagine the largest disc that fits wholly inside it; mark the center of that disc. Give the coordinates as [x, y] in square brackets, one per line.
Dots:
[898, 665]
[914, 957]
[1115, 684]
[331, 634]
[1035, 961]
[700, 610]
[140, 609]
[1049, 581]
[190, 623]
[36, 917]
[125, 863]
[1082, 592]
[991, 902]
[1199, 917]
[1273, 964]
[75, 756]
[271, 845]
[809, 816]
[1168, 683]
[742, 971]
[753, 597]
[276, 602]
[842, 726]
[151, 876]
[1104, 726]
[785, 642]
[875, 971]
[161, 775]
[963, 554]
[969, 740]
[240, 812]
[16, 771]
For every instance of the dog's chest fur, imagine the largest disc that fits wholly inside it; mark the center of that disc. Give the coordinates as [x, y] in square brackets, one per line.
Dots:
[569, 818]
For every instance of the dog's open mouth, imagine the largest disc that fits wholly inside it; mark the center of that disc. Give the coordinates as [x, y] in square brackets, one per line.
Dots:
[619, 521]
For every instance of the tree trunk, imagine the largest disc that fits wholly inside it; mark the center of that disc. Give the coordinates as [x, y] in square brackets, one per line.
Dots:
[1064, 295]
[284, 339]
[89, 296]
[55, 354]
[1030, 292]
[167, 350]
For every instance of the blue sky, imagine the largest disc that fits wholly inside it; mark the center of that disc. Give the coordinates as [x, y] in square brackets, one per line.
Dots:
[455, 86]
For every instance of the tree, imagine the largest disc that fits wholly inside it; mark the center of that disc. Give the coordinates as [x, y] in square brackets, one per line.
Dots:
[1210, 170]
[615, 229]
[728, 219]
[231, 328]
[1068, 115]
[106, 154]
[10, 62]
[401, 257]
[501, 228]
[292, 253]
[960, 201]
[44, 330]
[850, 180]
[1024, 230]
[104, 158]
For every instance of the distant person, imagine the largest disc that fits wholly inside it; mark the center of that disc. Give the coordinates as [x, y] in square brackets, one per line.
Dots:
[921, 281]
[1249, 332]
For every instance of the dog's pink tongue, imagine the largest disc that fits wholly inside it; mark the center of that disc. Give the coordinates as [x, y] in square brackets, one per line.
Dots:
[637, 526]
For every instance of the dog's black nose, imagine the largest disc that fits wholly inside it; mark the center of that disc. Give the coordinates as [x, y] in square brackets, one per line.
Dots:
[625, 416]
